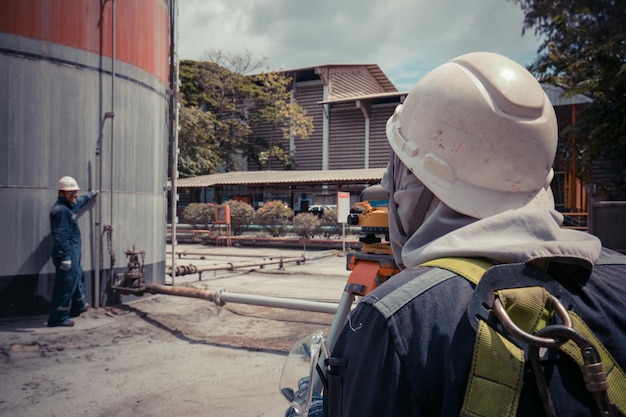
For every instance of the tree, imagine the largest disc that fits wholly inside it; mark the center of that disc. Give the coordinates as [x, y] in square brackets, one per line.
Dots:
[286, 118]
[226, 100]
[232, 101]
[199, 152]
[584, 52]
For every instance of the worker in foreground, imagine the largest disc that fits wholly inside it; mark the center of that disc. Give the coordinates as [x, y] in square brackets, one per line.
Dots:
[68, 295]
[543, 330]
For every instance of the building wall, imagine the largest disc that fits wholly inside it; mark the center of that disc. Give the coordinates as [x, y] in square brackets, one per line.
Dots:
[347, 138]
[308, 152]
[379, 146]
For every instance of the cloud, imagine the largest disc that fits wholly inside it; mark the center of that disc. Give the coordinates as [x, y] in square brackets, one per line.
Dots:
[405, 38]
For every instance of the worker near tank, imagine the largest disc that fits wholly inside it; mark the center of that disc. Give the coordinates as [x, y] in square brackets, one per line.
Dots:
[68, 295]
[474, 144]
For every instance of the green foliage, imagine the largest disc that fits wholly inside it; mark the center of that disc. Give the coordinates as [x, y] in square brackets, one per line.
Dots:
[215, 117]
[219, 106]
[329, 224]
[199, 214]
[286, 118]
[199, 152]
[241, 216]
[584, 52]
[306, 224]
[274, 216]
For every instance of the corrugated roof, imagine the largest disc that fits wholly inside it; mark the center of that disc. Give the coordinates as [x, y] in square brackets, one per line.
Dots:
[353, 82]
[282, 177]
[555, 94]
[361, 83]
[366, 97]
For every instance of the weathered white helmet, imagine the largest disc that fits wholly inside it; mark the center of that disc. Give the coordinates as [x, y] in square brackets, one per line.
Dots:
[67, 184]
[480, 133]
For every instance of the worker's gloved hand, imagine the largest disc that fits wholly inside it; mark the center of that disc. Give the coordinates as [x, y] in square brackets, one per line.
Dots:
[93, 193]
[66, 265]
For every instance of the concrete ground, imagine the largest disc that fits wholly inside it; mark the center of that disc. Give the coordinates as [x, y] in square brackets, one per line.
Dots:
[163, 355]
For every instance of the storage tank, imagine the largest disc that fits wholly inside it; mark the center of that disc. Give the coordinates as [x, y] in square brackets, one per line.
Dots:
[83, 92]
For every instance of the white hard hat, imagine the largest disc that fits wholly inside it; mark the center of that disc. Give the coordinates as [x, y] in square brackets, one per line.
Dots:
[480, 133]
[68, 184]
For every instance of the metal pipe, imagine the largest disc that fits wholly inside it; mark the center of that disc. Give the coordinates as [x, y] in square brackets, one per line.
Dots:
[113, 75]
[221, 296]
[98, 230]
[98, 182]
[343, 309]
[174, 115]
[223, 254]
[192, 269]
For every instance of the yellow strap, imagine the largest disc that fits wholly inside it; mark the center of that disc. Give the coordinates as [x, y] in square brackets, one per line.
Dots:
[472, 269]
[615, 375]
[495, 380]
[496, 377]
[498, 364]
[530, 308]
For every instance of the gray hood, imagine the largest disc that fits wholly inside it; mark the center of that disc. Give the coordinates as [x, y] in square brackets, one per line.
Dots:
[422, 228]
[521, 235]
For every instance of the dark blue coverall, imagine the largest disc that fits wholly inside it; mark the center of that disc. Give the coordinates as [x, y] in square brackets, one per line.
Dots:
[68, 294]
[403, 355]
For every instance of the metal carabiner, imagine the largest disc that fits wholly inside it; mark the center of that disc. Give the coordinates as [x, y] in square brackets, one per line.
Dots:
[554, 336]
[526, 337]
[592, 370]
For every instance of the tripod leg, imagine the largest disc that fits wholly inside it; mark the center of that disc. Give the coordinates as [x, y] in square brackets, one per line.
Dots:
[345, 304]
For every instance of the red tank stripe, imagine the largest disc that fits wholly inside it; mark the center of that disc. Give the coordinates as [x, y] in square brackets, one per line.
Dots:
[141, 39]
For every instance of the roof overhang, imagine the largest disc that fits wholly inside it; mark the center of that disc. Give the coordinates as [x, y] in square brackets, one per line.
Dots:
[260, 178]
[371, 97]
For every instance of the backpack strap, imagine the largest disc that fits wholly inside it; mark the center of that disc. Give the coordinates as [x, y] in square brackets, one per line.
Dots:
[472, 269]
[616, 377]
[496, 374]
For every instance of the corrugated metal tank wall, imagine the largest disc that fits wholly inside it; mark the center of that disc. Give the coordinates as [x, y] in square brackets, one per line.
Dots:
[58, 86]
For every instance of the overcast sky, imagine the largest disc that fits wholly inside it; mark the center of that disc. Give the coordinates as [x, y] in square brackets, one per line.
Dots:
[406, 38]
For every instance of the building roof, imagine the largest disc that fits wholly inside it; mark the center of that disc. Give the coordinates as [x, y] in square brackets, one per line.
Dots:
[351, 80]
[398, 96]
[252, 178]
[555, 94]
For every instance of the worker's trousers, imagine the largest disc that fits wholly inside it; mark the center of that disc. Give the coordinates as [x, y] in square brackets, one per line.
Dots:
[68, 295]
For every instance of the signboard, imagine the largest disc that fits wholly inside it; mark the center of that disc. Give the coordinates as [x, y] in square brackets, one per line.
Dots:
[222, 214]
[343, 206]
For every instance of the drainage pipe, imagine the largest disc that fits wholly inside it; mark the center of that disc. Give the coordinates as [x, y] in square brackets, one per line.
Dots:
[221, 296]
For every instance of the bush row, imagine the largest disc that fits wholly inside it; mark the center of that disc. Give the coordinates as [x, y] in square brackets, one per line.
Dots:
[274, 216]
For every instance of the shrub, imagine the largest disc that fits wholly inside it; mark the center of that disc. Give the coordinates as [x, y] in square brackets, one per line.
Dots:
[329, 224]
[306, 224]
[274, 216]
[199, 214]
[241, 216]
